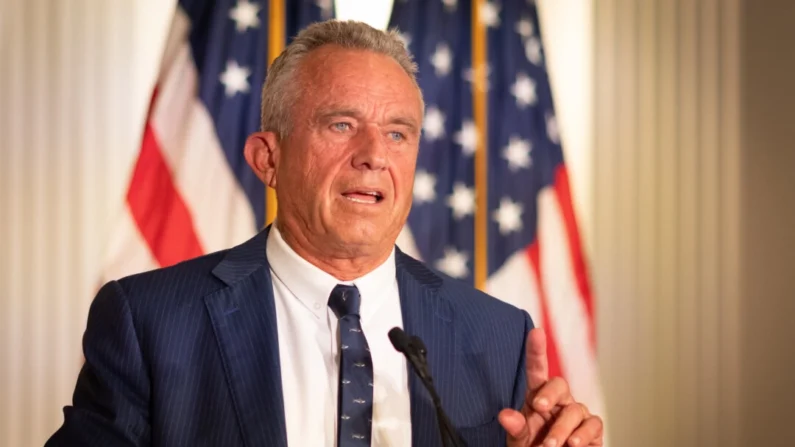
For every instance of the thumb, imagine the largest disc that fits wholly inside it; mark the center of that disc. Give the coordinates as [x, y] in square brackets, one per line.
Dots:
[516, 425]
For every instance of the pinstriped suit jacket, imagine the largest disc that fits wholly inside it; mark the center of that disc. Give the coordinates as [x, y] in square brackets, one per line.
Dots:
[188, 356]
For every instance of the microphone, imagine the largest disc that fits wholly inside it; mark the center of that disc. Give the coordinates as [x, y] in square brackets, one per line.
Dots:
[415, 351]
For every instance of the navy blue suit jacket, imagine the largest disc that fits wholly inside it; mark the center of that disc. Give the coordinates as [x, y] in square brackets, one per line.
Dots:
[188, 356]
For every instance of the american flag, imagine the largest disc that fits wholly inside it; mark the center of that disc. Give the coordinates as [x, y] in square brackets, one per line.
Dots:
[192, 193]
[533, 256]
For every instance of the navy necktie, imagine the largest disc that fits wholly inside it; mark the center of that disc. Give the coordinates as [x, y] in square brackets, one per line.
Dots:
[355, 388]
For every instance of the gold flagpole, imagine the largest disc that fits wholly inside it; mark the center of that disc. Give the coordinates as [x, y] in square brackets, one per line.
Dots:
[276, 38]
[479, 99]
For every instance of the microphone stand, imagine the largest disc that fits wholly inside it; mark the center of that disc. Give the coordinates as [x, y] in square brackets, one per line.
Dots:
[416, 353]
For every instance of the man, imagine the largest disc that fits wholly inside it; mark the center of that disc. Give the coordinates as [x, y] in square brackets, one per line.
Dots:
[283, 339]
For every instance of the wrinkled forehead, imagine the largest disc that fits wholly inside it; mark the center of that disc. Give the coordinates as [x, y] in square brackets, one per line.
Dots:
[332, 73]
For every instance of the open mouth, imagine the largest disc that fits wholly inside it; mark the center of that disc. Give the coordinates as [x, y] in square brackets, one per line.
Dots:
[364, 196]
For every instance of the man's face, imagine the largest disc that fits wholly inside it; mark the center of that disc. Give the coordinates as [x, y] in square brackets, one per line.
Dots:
[345, 173]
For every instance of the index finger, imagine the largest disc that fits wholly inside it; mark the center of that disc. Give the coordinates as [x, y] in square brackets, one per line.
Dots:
[536, 363]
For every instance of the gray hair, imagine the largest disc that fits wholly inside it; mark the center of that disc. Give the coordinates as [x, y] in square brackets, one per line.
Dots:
[279, 93]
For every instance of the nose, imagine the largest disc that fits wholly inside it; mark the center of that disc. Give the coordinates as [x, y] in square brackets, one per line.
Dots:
[371, 150]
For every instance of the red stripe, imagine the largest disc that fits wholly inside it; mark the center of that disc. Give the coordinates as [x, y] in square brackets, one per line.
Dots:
[157, 207]
[533, 252]
[578, 264]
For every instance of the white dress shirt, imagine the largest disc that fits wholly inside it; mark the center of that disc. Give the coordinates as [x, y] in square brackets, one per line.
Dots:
[309, 348]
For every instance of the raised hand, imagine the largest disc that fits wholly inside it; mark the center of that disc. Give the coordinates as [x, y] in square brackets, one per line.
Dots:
[550, 416]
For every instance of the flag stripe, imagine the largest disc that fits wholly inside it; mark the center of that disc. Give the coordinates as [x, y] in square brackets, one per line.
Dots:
[533, 252]
[565, 308]
[127, 250]
[222, 214]
[515, 283]
[157, 207]
[577, 259]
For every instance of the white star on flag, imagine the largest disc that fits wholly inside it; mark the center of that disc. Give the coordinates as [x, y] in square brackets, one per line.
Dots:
[325, 7]
[517, 153]
[406, 38]
[462, 201]
[467, 137]
[508, 216]
[490, 14]
[524, 89]
[245, 15]
[552, 128]
[442, 60]
[532, 49]
[454, 263]
[450, 5]
[479, 77]
[424, 187]
[434, 123]
[235, 78]
[525, 28]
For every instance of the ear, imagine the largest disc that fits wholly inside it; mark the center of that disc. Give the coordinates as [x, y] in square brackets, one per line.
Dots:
[262, 152]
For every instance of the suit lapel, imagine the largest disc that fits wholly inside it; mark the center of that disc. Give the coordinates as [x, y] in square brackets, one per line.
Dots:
[243, 316]
[428, 315]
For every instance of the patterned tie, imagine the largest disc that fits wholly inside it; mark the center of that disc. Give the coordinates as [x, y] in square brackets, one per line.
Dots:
[355, 389]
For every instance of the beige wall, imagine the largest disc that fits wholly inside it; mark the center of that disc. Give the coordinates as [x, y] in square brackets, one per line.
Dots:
[768, 216]
[666, 219]
[694, 217]
[75, 79]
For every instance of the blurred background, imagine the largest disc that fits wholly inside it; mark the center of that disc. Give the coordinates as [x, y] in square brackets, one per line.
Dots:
[676, 122]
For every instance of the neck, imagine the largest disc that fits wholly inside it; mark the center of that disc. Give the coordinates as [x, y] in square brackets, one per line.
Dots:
[346, 265]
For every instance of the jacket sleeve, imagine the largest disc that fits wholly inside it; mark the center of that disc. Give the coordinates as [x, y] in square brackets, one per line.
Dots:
[520, 383]
[111, 398]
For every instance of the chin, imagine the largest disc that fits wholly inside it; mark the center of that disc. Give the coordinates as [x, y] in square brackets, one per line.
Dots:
[363, 234]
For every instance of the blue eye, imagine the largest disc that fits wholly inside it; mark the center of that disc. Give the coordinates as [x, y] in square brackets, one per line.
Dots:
[396, 136]
[341, 127]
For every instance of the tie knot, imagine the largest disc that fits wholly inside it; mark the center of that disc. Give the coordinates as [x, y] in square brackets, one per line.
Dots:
[344, 300]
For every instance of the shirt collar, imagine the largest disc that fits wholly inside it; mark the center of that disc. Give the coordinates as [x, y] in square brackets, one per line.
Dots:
[313, 286]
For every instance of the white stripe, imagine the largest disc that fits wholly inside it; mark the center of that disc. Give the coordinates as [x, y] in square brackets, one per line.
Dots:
[222, 215]
[566, 309]
[175, 41]
[405, 242]
[515, 283]
[128, 252]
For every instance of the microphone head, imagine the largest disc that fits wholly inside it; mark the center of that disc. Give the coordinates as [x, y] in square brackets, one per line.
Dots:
[418, 344]
[399, 339]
